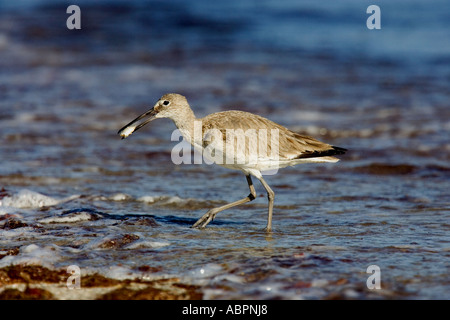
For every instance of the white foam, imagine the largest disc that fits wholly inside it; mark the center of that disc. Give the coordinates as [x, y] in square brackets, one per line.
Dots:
[167, 200]
[81, 216]
[149, 199]
[163, 200]
[120, 197]
[32, 254]
[175, 200]
[229, 277]
[147, 244]
[26, 199]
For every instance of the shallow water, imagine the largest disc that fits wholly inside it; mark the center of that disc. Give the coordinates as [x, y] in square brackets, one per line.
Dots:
[73, 193]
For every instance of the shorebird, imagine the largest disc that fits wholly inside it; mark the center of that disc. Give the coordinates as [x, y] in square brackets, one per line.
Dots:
[282, 147]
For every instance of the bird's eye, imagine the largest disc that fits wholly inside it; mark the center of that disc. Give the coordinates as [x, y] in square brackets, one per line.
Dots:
[166, 103]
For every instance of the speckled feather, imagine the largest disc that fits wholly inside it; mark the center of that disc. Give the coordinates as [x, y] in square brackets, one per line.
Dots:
[291, 145]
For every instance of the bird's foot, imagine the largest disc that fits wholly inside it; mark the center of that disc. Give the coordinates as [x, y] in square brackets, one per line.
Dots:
[205, 219]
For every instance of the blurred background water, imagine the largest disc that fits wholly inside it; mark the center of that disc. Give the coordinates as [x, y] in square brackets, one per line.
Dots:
[72, 192]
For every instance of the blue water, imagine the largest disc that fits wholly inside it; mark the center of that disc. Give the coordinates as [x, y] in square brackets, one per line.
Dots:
[311, 66]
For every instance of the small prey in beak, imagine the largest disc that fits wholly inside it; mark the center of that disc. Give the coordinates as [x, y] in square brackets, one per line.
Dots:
[137, 123]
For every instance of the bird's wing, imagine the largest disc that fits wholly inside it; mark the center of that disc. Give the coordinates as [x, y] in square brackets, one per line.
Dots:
[262, 136]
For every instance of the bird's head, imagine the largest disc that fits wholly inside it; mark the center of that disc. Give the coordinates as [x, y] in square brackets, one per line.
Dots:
[171, 105]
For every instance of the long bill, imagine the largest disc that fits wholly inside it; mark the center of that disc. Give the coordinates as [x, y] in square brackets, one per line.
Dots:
[137, 123]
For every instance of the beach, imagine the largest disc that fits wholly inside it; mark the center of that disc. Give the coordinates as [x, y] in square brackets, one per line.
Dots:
[72, 193]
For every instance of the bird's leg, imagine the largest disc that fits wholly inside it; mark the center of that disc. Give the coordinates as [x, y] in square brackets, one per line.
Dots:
[209, 216]
[271, 197]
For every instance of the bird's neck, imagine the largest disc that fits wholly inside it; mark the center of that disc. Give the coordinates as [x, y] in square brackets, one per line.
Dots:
[188, 124]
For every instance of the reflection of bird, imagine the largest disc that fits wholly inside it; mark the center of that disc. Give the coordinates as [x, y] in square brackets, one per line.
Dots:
[266, 145]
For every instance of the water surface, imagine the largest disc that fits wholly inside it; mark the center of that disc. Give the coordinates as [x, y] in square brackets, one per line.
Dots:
[73, 193]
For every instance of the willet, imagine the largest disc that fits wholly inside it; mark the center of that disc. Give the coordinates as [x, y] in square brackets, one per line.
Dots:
[283, 148]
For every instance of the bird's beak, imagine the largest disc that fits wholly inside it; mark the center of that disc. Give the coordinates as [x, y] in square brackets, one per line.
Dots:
[138, 123]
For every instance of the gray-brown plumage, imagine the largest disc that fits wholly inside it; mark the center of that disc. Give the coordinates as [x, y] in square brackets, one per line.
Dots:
[238, 140]
[291, 145]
